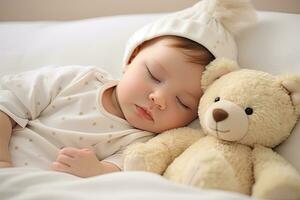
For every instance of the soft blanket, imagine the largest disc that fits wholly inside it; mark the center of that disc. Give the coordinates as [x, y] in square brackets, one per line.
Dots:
[34, 184]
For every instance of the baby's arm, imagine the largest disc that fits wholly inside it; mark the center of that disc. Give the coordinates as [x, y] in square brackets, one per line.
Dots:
[81, 162]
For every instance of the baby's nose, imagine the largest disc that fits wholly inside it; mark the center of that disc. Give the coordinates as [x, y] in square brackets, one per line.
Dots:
[158, 101]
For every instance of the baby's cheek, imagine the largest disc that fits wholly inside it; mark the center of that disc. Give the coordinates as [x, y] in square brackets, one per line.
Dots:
[176, 118]
[137, 85]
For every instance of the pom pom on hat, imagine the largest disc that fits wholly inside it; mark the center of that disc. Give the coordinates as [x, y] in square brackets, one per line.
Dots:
[211, 23]
[233, 14]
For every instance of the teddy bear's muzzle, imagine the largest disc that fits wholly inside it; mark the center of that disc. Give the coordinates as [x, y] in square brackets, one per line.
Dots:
[226, 121]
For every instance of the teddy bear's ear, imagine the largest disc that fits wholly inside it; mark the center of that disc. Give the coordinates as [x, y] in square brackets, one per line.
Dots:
[216, 69]
[292, 85]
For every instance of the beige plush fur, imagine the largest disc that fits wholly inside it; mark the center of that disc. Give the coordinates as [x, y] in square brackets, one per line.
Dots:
[243, 115]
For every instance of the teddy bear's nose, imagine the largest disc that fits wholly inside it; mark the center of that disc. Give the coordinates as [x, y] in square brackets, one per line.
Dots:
[219, 114]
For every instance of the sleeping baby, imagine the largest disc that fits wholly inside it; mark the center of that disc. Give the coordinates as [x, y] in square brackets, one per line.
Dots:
[78, 120]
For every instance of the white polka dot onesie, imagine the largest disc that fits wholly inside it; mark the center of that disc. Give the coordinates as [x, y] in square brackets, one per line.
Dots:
[57, 107]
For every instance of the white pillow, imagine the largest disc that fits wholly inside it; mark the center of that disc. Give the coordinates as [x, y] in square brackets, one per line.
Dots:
[98, 42]
[272, 46]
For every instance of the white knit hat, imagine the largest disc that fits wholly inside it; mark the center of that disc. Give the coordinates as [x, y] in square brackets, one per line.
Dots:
[212, 23]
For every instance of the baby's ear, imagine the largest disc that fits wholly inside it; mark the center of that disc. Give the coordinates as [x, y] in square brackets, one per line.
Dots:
[216, 69]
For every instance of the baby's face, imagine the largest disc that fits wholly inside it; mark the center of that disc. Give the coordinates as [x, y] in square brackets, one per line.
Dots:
[160, 90]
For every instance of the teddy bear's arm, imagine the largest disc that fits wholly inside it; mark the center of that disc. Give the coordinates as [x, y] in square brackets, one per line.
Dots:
[274, 177]
[156, 154]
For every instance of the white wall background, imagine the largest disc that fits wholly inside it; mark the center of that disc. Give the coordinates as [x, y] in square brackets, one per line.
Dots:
[16, 10]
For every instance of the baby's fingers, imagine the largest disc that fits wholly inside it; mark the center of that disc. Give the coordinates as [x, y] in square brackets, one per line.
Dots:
[70, 151]
[65, 159]
[57, 166]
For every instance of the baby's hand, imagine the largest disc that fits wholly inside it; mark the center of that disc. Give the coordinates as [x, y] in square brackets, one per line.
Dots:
[79, 162]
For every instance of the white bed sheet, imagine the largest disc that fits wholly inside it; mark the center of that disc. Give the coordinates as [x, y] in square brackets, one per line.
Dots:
[30, 184]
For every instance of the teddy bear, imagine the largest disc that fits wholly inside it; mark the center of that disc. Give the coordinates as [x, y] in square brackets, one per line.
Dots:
[243, 114]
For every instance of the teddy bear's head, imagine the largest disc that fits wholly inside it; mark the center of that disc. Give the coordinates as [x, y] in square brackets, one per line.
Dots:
[248, 106]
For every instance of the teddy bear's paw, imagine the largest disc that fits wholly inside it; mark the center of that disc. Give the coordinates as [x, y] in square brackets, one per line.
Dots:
[134, 163]
[211, 171]
[134, 159]
[152, 157]
[277, 187]
[283, 192]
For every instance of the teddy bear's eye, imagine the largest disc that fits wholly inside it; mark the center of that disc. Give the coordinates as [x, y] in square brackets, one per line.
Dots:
[249, 111]
[217, 99]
